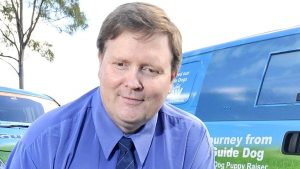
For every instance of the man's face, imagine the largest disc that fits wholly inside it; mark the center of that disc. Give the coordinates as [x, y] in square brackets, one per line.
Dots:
[135, 77]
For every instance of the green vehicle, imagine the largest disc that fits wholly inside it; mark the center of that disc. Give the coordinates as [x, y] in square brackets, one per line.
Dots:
[18, 109]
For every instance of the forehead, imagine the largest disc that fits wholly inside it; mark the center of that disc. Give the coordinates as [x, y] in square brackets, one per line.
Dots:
[137, 44]
[140, 37]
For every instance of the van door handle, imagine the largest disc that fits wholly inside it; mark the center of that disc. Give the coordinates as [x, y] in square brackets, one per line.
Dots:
[291, 143]
[298, 97]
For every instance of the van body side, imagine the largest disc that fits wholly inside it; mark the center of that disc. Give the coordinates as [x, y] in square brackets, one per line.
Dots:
[248, 94]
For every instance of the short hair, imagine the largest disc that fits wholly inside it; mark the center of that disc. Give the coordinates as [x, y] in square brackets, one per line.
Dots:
[145, 18]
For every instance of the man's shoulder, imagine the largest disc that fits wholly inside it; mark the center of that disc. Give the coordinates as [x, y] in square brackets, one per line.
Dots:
[184, 125]
[175, 113]
[183, 121]
[59, 119]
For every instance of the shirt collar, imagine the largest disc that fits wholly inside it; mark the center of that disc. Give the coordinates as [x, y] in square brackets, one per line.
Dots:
[103, 125]
[143, 139]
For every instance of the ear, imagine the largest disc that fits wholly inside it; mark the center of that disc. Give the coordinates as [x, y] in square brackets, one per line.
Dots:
[100, 57]
[173, 74]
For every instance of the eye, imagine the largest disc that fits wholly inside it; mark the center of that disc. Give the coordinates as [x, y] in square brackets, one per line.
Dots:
[148, 70]
[120, 65]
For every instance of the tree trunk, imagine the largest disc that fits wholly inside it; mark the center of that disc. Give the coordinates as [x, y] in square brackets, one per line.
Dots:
[22, 46]
[21, 69]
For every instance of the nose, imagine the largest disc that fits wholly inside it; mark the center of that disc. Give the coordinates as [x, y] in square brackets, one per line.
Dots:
[133, 80]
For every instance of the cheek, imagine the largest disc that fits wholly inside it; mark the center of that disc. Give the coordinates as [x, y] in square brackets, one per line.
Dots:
[107, 78]
[159, 89]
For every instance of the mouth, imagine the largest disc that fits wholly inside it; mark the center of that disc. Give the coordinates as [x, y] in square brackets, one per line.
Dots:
[132, 100]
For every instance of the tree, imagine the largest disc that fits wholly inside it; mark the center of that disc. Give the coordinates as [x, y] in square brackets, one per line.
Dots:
[17, 22]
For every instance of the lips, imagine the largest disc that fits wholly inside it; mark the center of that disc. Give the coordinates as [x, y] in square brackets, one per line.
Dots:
[132, 100]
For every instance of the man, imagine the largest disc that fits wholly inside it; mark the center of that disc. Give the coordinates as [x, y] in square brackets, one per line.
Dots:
[124, 123]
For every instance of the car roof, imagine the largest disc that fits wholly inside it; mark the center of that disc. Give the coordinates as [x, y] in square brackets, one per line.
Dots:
[24, 92]
[242, 41]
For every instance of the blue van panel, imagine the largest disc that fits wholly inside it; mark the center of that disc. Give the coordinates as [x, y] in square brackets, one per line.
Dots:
[247, 93]
[183, 93]
[233, 78]
[243, 41]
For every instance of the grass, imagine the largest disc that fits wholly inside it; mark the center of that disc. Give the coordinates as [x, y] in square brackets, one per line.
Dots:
[5, 152]
[273, 159]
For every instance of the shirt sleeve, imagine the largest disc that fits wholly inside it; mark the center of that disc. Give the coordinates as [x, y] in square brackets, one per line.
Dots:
[20, 159]
[202, 156]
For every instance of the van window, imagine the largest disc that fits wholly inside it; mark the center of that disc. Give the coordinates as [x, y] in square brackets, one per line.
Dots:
[183, 84]
[281, 81]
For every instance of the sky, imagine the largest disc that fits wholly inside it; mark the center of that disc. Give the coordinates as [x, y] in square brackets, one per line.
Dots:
[202, 23]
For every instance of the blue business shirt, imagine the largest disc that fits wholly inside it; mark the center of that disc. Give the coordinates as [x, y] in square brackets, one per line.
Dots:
[81, 135]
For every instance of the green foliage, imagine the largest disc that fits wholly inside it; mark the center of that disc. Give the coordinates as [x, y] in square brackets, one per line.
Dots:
[66, 12]
[64, 15]
[43, 48]
[7, 11]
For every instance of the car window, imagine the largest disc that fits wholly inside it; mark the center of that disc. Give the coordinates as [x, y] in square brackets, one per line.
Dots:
[22, 108]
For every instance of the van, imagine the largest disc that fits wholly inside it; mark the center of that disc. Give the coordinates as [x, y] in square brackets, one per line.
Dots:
[18, 109]
[247, 92]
